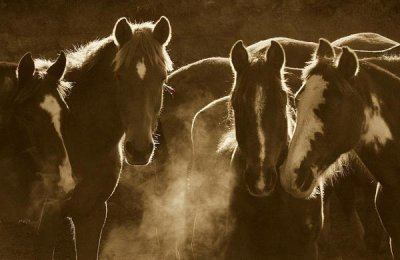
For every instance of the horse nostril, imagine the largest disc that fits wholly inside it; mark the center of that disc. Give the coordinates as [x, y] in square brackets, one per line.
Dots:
[129, 147]
[304, 180]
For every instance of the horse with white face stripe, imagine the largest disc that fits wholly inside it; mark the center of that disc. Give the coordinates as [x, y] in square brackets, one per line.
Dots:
[347, 105]
[41, 96]
[33, 148]
[140, 94]
[259, 106]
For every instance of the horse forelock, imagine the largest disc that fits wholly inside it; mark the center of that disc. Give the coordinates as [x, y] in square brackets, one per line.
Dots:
[142, 41]
[281, 78]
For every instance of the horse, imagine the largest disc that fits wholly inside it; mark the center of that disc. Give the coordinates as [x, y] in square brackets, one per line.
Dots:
[261, 217]
[117, 95]
[35, 170]
[339, 92]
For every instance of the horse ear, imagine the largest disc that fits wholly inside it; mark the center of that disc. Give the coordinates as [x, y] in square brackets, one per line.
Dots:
[276, 55]
[348, 63]
[26, 68]
[162, 31]
[57, 69]
[122, 32]
[239, 56]
[325, 49]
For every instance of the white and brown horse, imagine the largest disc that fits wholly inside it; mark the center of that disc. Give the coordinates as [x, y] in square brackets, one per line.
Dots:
[347, 105]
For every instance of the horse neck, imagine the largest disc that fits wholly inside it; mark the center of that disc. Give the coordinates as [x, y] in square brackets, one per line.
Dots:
[374, 81]
[93, 82]
[380, 91]
[100, 67]
[93, 108]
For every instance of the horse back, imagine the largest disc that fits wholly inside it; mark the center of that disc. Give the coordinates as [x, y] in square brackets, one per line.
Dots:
[365, 41]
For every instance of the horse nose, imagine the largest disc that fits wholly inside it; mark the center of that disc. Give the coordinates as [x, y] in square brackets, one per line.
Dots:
[258, 183]
[138, 156]
[304, 180]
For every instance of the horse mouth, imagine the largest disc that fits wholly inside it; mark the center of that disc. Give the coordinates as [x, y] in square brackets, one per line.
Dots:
[301, 192]
[137, 160]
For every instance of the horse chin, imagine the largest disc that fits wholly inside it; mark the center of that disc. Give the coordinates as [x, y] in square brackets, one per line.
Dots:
[261, 194]
[136, 162]
[265, 191]
[298, 193]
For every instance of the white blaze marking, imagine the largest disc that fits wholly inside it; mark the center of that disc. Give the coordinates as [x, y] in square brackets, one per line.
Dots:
[308, 123]
[51, 106]
[376, 132]
[259, 102]
[141, 68]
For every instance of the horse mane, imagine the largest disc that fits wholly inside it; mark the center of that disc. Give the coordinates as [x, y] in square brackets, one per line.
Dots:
[142, 40]
[81, 58]
[63, 86]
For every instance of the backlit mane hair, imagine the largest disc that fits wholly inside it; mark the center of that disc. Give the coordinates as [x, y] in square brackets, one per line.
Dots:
[142, 40]
[85, 56]
[63, 86]
[81, 57]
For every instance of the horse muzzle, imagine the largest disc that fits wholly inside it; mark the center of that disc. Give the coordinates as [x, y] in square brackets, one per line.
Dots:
[260, 183]
[138, 156]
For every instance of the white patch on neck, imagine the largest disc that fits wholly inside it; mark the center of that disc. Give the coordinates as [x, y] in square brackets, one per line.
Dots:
[308, 123]
[376, 132]
[141, 69]
[51, 106]
[259, 102]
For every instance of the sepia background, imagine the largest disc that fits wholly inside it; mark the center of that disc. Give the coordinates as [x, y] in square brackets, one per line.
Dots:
[200, 29]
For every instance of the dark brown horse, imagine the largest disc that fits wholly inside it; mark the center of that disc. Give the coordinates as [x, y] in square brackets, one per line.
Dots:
[338, 93]
[118, 85]
[259, 101]
[35, 169]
